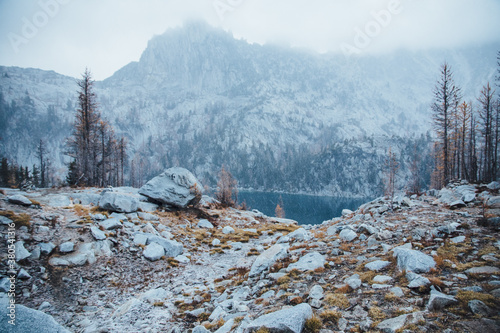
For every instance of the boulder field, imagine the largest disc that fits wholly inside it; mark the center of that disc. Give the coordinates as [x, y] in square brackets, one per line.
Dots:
[125, 260]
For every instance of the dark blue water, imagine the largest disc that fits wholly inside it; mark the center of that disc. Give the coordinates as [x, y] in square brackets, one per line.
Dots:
[305, 209]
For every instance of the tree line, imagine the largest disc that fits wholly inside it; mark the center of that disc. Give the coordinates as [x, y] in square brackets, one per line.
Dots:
[99, 156]
[18, 176]
[467, 132]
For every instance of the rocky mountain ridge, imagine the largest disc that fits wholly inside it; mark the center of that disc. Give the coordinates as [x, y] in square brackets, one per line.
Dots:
[200, 98]
[421, 264]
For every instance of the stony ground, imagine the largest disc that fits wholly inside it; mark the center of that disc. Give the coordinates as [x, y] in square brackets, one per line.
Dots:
[419, 264]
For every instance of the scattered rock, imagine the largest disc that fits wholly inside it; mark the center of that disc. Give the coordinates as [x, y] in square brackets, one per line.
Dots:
[309, 262]
[300, 234]
[67, 247]
[200, 329]
[46, 248]
[23, 274]
[348, 235]
[58, 200]
[227, 230]
[479, 308]
[483, 270]
[412, 260]
[21, 252]
[176, 187]
[439, 301]
[205, 224]
[457, 204]
[377, 265]
[97, 233]
[346, 212]
[267, 258]
[394, 324]
[397, 291]
[447, 196]
[354, 281]
[118, 202]
[287, 320]
[19, 199]
[4, 220]
[153, 251]
[111, 224]
[147, 216]
[382, 279]
[28, 320]
[316, 292]
[493, 186]
[458, 239]
[416, 280]
[172, 248]
[493, 202]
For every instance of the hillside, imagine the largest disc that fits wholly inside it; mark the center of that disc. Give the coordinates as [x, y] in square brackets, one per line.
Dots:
[280, 119]
[429, 265]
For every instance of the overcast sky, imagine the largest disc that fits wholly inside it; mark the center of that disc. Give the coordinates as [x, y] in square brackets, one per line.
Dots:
[68, 35]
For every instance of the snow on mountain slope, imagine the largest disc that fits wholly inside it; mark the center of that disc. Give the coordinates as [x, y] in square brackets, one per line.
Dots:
[200, 98]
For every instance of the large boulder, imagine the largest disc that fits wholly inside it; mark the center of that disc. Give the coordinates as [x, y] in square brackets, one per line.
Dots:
[118, 202]
[291, 320]
[493, 202]
[27, 320]
[493, 186]
[412, 260]
[468, 193]
[447, 196]
[175, 187]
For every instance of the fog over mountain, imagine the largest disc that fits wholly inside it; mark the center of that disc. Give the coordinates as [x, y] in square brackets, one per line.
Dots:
[278, 118]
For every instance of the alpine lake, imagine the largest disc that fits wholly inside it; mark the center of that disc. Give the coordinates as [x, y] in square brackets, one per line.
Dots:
[305, 209]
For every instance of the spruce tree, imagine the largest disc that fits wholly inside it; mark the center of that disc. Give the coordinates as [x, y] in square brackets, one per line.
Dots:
[446, 99]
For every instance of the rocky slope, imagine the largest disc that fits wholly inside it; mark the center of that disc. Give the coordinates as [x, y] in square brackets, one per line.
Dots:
[420, 264]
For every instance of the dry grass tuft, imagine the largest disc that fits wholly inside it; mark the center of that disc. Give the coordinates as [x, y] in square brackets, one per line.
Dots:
[465, 296]
[376, 313]
[367, 277]
[19, 220]
[331, 316]
[345, 289]
[296, 300]
[338, 300]
[313, 324]
[262, 330]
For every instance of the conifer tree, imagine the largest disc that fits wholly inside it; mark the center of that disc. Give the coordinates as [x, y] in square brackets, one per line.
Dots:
[487, 117]
[40, 153]
[93, 146]
[35, 175]
[4, 171]
[446, 100]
